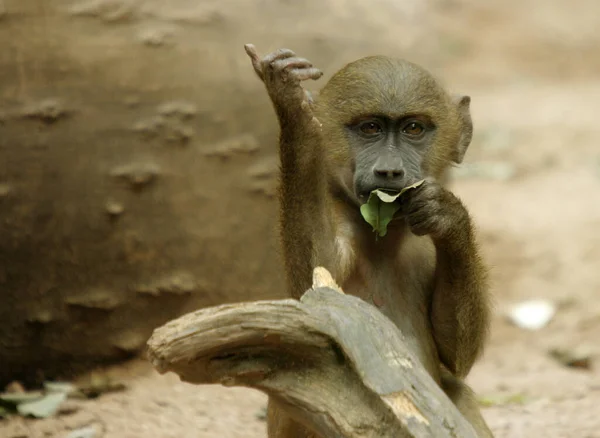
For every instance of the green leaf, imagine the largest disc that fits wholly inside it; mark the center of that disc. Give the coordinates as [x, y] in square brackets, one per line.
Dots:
[378, 214]
[65, 387]
[503, 400]
[381, 206]
[44, 407]
[16, 398]
[38, 404]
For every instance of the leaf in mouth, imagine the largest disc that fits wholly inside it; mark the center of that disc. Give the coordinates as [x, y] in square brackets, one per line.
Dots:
[381, 207]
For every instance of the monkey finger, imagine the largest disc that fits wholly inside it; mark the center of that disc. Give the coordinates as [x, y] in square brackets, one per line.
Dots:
[256, 62]
[308, 73]
[272, 63]
[418, 229]
[421, 192]
[277, 55]
[415, 206]
[421, 226]
[429, 185]
[291, 63]
[417, 218]
[424, 197]
[251, 52]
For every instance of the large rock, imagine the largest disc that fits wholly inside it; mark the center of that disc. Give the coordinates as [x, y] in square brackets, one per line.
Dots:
[138, 161]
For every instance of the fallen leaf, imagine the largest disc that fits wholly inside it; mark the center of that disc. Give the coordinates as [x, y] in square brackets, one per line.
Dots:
[16, 398]
[44, 407]
[502, 400]
[10, 401]
[578, 357]
[65, 387]
[380, 208]
[40, 404]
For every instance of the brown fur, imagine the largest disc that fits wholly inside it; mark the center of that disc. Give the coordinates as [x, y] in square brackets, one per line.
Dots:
[426, 275]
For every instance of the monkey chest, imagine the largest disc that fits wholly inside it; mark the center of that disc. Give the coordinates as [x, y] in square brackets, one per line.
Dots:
[392, 287]
[400, 285]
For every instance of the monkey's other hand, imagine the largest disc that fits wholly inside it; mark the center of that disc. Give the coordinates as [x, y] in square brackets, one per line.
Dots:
[432, 210]
[282, 72]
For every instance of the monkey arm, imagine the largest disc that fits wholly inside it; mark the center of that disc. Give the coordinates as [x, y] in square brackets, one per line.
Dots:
[460, 303]
[302, 185]
[282, 73]
[301, 201]
[460, 306]
[301, 189]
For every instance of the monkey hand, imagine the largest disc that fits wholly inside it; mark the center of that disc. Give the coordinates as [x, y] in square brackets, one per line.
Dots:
[432, 210]
[282, 72]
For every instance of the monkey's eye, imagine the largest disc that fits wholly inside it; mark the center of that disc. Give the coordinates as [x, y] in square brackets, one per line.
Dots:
[370, 128]
[414, 129]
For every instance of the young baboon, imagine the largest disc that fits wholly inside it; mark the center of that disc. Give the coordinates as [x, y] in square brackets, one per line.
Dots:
[381, 123]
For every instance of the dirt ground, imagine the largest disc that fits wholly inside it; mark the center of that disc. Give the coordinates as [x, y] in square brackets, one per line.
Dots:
[532, 182]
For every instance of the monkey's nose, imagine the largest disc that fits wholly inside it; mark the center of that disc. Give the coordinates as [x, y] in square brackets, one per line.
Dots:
[388, 173]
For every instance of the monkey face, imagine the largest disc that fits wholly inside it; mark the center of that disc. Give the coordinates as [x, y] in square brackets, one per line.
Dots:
[388, 152]
[388, 123]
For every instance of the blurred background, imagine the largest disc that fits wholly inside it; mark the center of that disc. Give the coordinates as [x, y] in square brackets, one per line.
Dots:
[137, 175]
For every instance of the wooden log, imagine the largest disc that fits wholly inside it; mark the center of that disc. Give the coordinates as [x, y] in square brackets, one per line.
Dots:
[333, 361]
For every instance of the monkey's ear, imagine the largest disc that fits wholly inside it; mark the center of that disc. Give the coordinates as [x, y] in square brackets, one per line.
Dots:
[463, 104]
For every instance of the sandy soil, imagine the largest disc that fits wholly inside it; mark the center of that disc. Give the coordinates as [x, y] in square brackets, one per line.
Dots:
[532, 182]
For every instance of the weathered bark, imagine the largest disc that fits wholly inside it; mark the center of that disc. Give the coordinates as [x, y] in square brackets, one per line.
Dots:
[334, 361]
[138, 161]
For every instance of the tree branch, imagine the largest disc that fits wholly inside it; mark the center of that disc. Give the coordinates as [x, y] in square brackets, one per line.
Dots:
[333, 361]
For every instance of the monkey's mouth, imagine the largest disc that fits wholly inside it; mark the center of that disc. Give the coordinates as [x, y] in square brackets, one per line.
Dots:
[363, 195]
[391, 192]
